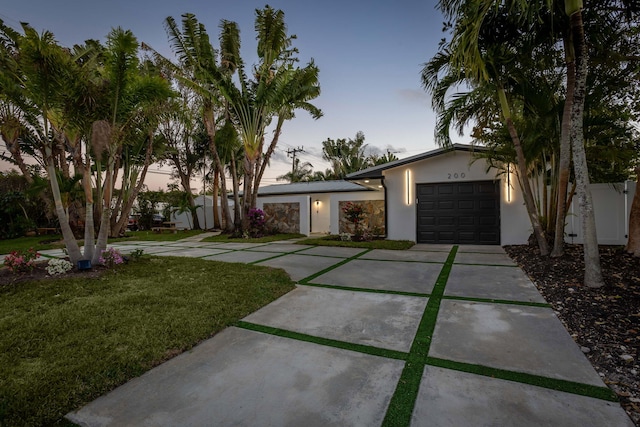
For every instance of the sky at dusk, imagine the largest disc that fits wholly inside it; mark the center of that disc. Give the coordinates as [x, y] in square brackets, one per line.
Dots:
[370, 54]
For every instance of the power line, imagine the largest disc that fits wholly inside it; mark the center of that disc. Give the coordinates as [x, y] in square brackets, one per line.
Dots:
[292, 152]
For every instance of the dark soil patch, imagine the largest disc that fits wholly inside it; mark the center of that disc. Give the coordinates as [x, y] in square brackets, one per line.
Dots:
[39, 272]
[605, 322]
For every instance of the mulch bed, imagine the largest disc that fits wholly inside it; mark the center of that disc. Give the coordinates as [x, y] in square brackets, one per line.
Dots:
[39, 272]
[605, 322]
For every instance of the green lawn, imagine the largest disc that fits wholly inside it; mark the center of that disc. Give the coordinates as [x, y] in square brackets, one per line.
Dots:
[160, 237]
[265, 239]
[373, 244]
[54, 241]
[39, 243]
[63, 343]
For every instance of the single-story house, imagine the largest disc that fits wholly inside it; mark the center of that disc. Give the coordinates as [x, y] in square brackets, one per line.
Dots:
[444, 196]
[440, 196]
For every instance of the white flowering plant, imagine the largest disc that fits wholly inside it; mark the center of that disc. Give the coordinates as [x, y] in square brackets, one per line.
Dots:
[58, 266]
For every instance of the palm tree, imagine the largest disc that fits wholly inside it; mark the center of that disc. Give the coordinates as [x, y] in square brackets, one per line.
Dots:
[481, 58]
[278, 87]
[38, 70]
[346, 155]
[300, 172]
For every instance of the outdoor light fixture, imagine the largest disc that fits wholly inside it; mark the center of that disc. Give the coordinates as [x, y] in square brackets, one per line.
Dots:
[317, 205]
[508, 183]
[407, 184]
[366, 181]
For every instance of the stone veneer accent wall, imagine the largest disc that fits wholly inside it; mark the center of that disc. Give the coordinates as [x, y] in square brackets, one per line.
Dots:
[285, 217]
[373, 215]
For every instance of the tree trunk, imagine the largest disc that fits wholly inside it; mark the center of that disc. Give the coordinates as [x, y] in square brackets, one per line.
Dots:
[105, 224]
[216, 194]
[14, 148]
[633, 244]
[592, 270]
[70, 241]
[237, 217]
[565, 151]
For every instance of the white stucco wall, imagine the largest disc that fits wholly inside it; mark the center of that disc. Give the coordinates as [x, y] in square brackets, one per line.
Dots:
[336, 198]
[320, 213]
[449, 167]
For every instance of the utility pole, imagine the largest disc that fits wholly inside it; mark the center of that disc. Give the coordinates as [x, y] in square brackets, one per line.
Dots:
[291, 152]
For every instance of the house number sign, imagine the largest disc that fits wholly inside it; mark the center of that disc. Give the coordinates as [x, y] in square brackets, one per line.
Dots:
[456, 175]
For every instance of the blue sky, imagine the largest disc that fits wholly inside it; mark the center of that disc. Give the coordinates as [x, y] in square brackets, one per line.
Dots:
[369, 53]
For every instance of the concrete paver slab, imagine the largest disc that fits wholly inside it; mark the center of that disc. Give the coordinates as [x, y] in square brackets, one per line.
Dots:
[387, 275]
[450, 399]
[195, 252]
[432, 247]
[516, 338]
[281, 247]
[300, 266]
[423, 256]
[237, 246]
[485, 249]
[53, 253]
[485, 259]
[244, 257]
[275, 382]
[385, 321]
[332, 251]
[485, 281]
[188, 244]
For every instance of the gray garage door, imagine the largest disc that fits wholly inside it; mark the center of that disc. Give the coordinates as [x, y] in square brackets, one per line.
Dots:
[459, 212]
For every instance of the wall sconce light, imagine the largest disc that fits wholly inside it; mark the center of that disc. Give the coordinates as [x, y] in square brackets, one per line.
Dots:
[508, 183]
[407, 178]
[317, 205]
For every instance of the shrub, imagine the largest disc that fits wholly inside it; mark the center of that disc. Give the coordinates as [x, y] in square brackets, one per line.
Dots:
[256, 222]
[58, 266]
[354, 214]
[21, 261]
[111, 257]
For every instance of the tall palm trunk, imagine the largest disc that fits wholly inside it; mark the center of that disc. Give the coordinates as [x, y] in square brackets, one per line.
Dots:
[105, 224]
[529, 201]
[565, 150]
[216, 194]
[592, 270]
[69, 239]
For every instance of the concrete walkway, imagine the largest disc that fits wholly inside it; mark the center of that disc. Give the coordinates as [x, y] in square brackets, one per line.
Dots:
[434, 336]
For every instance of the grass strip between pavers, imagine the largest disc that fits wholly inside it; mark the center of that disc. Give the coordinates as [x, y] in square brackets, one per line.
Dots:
[333, 267]
[369, 290]
[499, 301]
[603, 393]
[360, 348]
[404, 398]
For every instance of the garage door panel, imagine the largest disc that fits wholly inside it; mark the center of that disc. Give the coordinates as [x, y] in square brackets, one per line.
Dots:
[426, 190]
[463, 212]
[446, 220]
[446, 236]
[488, 220]
[446, 204]
[427, 220]
[487, 204]
[445, 189]
[466, 204]
[466, 220]
[465, 188]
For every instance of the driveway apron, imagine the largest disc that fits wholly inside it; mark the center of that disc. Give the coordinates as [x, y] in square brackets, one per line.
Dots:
[434, 336]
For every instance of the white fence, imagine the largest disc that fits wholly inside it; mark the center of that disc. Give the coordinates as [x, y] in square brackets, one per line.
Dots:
[612, 205]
